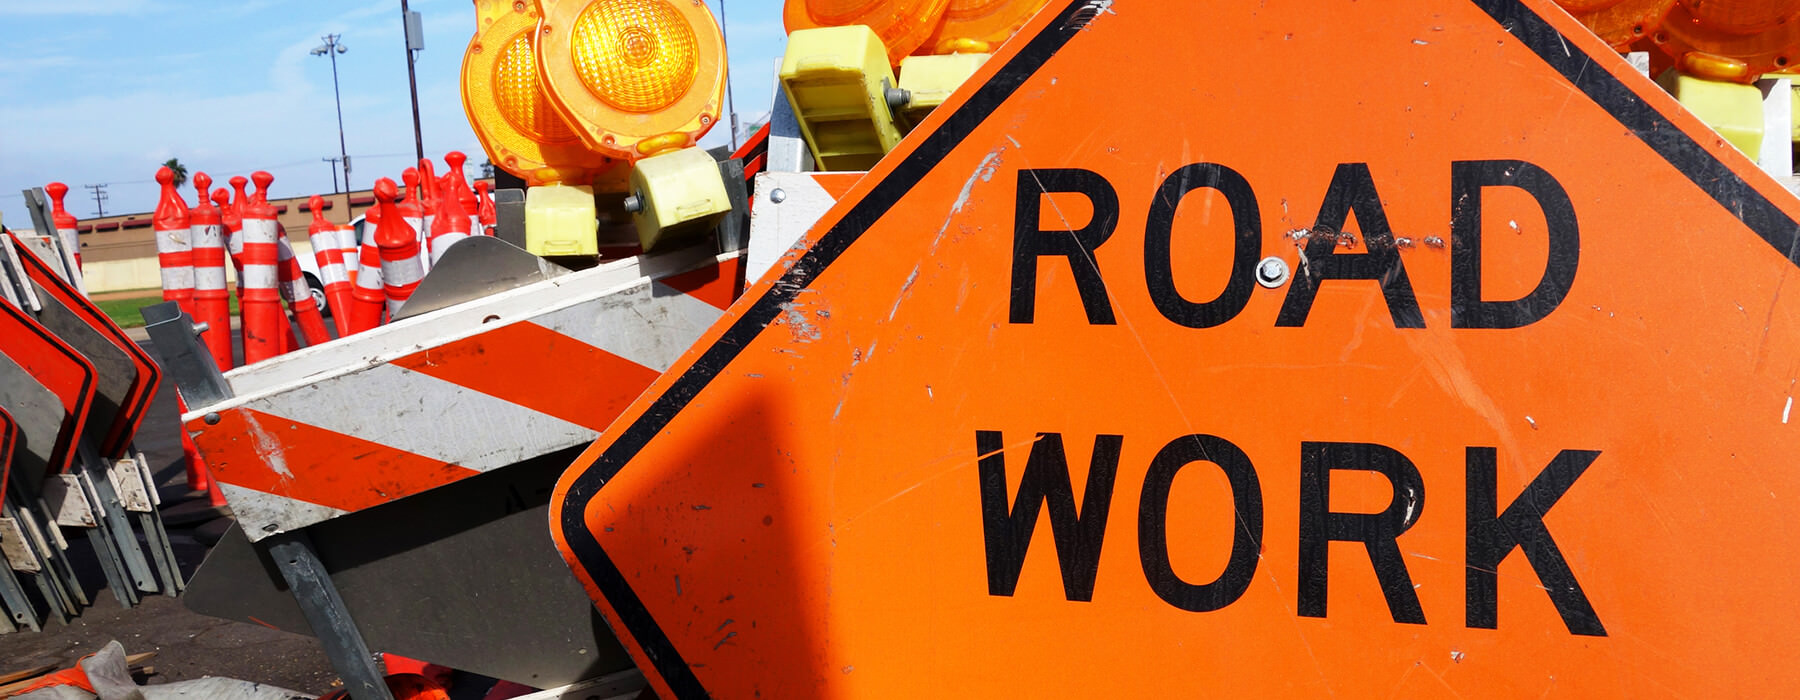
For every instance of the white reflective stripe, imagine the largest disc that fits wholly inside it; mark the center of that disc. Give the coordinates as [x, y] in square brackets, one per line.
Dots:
[651, 328]
[209, 278]
[178, 277]
[475, 227]
[442, 243]
[399, 273]
[234, 243]
[393, 306]
[295, 290]
[207, 236]
[423, 231]
[369, 278]
[260, 277]
[259, 232]
[417, 225]
[333, 273]
[255, 511]
[173, 240]
[418, 413]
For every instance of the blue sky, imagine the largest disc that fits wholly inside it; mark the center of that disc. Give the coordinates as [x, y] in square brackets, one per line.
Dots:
[103, 91]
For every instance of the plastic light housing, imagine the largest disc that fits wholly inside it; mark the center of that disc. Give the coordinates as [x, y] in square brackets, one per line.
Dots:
[1731, 40]
[633, 77]
[1619, 22]
[902, 25]
[519, 127]
[980, 26]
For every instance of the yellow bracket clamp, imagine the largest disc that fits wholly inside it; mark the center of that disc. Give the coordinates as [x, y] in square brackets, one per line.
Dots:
[837, 78]
[1732, 109]
[676, 195]
[928, 80]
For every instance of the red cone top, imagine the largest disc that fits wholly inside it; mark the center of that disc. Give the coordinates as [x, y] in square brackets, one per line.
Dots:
[484, 204]
[428, 185]
[171, 211]
[451, 216]
[412, 206]
[203, 213]
[393, 233]
[62, 217]
[319, 223]
[258, 205]
[460, 184]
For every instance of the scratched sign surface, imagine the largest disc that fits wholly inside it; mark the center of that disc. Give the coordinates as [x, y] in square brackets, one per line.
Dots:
[1020, 419]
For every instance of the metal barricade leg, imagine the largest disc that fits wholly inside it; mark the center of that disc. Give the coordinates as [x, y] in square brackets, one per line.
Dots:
[311, 585]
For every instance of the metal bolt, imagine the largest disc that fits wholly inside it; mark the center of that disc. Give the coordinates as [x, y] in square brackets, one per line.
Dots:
[777, 195]
[1272, 272]
[211, 418]
[202, 327]
[634, 203]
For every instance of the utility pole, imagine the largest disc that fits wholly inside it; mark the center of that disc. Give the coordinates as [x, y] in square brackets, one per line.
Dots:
[99, 198]
[334, 180]
[730, 104]
[415, 41]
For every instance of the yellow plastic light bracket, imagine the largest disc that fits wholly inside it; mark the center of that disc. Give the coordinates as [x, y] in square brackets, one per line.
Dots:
[929, 80]
[1733, 109]
[560, 220]
[836, 79]
[519, 128]
[633, 77]
[680, 195]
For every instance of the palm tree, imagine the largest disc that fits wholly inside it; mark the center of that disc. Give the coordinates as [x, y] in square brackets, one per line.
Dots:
[174, 164]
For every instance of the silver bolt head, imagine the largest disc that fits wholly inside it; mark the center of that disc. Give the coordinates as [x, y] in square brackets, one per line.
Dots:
[1272, 272]
[777, 195]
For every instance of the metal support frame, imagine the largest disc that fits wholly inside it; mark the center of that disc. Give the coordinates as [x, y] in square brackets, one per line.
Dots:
[324, 609]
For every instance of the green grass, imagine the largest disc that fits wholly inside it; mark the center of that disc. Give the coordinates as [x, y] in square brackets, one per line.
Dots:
[124, 311]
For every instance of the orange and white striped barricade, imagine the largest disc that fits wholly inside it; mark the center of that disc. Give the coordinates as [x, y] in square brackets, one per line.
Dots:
[369, 300]
[431, 186]
[459, 188]
[484, 210]
[259, 280]
[298, 295]
[68, 231]
[324, 236]
[212, 301]
[449, 226]
[174, 252]
[515, 381]
[401, 268]
[349, 250]
[413, 206]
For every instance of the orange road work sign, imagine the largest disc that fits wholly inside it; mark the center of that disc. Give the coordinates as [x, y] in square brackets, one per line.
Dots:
[1028, 413]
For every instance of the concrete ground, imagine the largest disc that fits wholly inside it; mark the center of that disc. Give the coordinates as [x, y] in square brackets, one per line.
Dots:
[188, 645]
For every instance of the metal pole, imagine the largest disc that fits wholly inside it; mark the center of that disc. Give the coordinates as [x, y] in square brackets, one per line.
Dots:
[412, 82]
[334, 180]
[343, 152]
[730, 104]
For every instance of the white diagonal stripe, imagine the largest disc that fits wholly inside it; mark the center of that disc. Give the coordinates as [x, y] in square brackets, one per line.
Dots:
[255, 511]
[651, 324]
[418, 413]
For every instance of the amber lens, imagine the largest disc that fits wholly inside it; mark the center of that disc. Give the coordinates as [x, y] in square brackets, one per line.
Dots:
[521, 98]
[635, 55]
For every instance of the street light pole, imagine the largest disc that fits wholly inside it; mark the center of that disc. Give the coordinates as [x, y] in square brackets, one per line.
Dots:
[410, 27]
[332, 48]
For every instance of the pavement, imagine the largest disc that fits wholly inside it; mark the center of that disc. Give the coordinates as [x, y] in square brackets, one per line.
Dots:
[188, 645]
